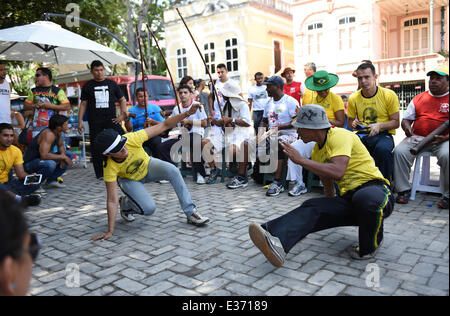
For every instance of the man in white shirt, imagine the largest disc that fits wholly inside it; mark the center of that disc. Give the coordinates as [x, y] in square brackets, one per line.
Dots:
[258, 99]
[216, 133]
[237, 122]
[195, 124]
[280, 112]
[5, 92]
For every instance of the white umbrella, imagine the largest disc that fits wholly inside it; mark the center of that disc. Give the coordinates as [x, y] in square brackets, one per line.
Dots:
[48, 42]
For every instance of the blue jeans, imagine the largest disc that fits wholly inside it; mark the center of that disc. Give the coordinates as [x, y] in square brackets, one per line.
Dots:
[139, 200]
[381, 148]
[50, 169]
[257, 118]
[18, 187]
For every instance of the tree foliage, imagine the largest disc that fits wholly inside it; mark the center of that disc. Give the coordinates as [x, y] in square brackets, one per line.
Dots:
[114, 15]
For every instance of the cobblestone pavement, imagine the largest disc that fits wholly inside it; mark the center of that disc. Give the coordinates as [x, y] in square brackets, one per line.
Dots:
[163, 255]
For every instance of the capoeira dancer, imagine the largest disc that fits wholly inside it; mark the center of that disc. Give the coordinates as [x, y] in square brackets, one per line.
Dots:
[127, 164]
[365, 197]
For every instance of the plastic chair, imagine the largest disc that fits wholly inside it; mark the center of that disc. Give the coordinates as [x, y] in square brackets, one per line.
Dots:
[421, 177]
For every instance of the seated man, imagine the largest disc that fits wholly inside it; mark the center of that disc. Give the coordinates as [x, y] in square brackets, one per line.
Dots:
[425, 113]
[365, 200]
[280, 112]
[375, 110]
[139, 122]
[237, 122]
[195, 124]
[11, 156]
[127, 164]
[39, 157]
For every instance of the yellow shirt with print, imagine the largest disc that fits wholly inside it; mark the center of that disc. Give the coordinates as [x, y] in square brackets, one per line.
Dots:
[308, 97]
[135, 167]
[332, 103]
[10, 157]
[376, 109]
[361, 166]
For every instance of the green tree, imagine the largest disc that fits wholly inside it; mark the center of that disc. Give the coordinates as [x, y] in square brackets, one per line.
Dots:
[111, 14]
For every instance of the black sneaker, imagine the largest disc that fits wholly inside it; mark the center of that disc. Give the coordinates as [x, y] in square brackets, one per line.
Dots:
[443, 203]
[127, 215]
[31, 200]
[403, 197]
[214, 173]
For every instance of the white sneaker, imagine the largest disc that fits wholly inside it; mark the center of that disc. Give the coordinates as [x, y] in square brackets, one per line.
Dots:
[298, 190]
[55, 185]
[200, 179]
[197, 219]
[40, 191]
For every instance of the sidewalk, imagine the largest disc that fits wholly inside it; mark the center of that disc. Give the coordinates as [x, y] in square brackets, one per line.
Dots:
[163, 255]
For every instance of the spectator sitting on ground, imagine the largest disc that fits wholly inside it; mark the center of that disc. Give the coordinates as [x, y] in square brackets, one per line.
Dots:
[11, 156]
[18, 249]
[39, 158]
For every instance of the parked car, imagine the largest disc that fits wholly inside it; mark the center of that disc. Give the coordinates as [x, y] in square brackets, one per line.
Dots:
[159, 89]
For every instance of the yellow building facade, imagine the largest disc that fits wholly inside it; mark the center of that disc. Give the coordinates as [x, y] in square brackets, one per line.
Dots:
[247, 36]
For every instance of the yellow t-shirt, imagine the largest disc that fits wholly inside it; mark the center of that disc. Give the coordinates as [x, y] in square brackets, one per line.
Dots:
[361, 166]
[332, 103]
[308, 97]
[135, 167]
[10, 157]
[376, 109]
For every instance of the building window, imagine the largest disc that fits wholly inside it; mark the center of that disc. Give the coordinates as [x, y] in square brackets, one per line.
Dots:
[415, 36]
[182, 63]
[384, 39]
[210, 58]
[315, 35]
[346, 31]
[277, 55]
[347, 20]
[315, 26]
[231, 53]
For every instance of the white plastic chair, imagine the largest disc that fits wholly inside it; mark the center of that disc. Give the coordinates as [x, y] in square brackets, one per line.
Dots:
[421, 177]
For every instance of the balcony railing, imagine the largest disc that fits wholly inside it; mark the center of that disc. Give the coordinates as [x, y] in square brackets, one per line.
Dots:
[406, 68]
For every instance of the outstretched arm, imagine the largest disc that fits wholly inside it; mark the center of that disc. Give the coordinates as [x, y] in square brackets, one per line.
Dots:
[112, 205]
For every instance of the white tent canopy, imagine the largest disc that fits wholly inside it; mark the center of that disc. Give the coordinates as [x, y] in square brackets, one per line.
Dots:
[48, 42]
